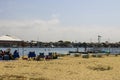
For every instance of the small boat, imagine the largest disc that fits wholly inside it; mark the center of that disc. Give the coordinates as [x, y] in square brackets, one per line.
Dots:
[97, 50]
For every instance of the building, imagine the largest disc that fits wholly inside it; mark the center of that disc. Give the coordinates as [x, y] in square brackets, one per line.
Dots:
[10, 41]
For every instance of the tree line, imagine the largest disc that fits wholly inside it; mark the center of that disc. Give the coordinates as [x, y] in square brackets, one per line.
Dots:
[69, 44]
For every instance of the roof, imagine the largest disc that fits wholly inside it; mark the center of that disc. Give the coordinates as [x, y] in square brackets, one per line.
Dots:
[9, 38]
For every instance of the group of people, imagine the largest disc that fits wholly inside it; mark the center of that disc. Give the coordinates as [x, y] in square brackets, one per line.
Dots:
[7, 55]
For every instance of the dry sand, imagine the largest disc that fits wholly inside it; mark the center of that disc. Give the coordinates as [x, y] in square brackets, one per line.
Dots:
[66, 68]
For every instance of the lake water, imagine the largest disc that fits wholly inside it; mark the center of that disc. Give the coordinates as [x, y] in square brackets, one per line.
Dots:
[25, 51]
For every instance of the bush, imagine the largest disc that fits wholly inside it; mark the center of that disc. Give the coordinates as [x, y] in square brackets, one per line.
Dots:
[107, 54]
[93, 55]
[76, 55]
[85, 56]
[99, 55]
[116, 55]
[61, 55]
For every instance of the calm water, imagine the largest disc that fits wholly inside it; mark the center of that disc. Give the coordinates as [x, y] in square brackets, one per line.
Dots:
[25, 51]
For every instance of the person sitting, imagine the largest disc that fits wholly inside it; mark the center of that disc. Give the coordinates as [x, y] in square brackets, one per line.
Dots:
[1, 57]
[7, 55]
[55, 56]
[41, 55]
[1, 54]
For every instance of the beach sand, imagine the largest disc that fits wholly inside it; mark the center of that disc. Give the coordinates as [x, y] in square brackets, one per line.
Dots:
[66, 68]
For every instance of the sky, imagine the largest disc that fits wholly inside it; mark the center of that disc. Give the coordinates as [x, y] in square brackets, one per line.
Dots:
[54, 20]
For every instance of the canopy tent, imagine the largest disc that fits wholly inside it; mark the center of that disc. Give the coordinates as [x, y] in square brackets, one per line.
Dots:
[9, 38]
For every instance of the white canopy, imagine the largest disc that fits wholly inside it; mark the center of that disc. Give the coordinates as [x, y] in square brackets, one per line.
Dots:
[9, 38]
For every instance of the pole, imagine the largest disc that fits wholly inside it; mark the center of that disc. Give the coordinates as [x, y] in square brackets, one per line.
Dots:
[99, 38]
[99, 41]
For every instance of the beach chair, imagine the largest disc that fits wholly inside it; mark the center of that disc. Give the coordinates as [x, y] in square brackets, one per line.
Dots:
[1, 57]
[41, 55]
[16, 55]
[31, 55]
[6, 57]
[49, 56]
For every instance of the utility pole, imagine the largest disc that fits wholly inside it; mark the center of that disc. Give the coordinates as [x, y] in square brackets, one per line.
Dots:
[99, 39]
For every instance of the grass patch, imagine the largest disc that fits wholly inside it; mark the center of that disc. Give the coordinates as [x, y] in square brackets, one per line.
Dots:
[41, 78]
[12, 77]
[85, 56]
[8, 66]
[100, 68]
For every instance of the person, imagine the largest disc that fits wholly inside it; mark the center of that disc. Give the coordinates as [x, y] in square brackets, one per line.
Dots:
[7, 51]
[1, 57]
[1, 52]
[7, 55]
[55, 56]
[40, 56]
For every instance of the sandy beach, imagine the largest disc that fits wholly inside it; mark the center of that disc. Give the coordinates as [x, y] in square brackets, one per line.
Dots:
[65, 68]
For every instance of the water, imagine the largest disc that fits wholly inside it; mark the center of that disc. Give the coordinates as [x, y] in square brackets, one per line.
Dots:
[25, 51]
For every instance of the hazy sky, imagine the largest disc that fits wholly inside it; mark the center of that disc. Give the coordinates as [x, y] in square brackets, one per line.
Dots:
[53, 20]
